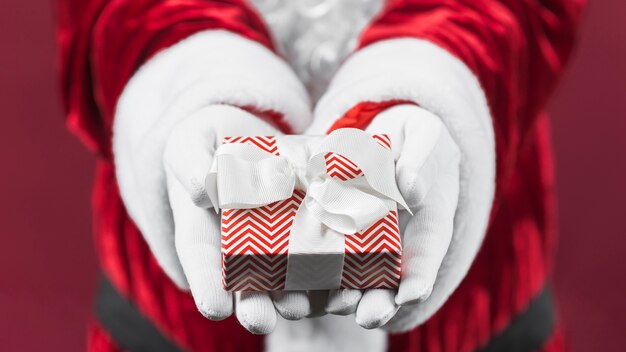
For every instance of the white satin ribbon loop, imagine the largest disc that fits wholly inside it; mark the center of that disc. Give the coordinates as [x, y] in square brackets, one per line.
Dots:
[343, 208]
[243, 177]
[376, 162]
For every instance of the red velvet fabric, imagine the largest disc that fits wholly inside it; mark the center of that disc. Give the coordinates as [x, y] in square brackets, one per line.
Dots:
[517, 49]
[99, 340]
[103, 42]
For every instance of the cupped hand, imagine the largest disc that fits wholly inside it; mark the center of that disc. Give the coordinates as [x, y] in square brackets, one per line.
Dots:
[187, 158]
[427, 173]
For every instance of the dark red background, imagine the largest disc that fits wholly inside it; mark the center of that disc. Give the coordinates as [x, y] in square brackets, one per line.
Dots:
[47, 266]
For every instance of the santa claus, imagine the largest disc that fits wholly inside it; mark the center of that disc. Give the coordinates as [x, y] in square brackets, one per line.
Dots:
[459, 86]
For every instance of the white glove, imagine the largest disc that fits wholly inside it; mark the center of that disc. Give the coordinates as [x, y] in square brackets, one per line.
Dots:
[168, 123]
[188, 152]
[427, 172]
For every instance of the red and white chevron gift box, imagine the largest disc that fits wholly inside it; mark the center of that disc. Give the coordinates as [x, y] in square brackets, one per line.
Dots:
[255, 242]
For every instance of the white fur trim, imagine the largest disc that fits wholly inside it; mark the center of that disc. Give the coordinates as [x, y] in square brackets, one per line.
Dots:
[419, 71]
[330, 333]
[206, 68]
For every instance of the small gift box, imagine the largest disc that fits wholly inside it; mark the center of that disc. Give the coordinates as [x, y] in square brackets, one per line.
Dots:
[308, 212]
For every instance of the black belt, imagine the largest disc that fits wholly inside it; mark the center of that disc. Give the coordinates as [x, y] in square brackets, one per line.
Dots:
[130, 329]
[528, 331]
[133, 332]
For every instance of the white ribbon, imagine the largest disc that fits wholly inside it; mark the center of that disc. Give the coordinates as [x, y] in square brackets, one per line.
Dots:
[244, 176]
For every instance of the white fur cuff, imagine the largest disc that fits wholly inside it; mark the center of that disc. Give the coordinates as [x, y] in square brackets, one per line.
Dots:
[212, 67]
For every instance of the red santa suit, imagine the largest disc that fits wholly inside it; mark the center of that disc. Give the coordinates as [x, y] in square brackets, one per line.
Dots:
[516, 50]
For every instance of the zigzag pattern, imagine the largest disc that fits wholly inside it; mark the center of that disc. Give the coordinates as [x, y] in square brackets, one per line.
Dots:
[373, 257]
[255, 242]
[255, 245]
[383, 140]
[342, 168]
[267, 143]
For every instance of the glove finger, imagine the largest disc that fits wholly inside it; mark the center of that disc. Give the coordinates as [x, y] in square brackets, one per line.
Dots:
[376, 308]
[343, 302]
[291, 305]
[255, 311]
[426, 239]
[197, 240]
[192, 143]
[406, 319]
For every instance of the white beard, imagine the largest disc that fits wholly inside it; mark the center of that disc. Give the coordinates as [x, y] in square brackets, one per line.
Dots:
[316, 36]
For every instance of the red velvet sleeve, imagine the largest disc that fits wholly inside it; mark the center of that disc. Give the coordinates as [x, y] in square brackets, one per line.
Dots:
[103, 42]
[516, 48]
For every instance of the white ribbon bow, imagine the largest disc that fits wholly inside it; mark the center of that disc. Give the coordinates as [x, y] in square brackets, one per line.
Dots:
[244, 176]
